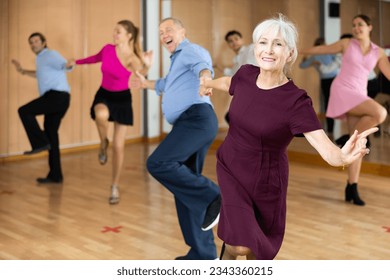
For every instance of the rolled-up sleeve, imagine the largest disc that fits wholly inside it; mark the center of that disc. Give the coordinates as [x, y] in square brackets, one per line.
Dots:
[198, 59]
[160, 86]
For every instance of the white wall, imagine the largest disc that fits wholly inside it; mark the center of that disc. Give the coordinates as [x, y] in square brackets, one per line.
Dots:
[153, 116]
[166, 11]
[153, 43]
[332, 34]
[331, 25]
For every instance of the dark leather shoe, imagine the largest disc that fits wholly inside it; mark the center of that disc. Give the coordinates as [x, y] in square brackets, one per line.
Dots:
[48, 181]
[38, 150]
[182, 258]
[212, 214]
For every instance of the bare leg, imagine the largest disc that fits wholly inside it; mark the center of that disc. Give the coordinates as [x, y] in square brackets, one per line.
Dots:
[118, 151]
[354, 168]
[364, 116]
[101, 118]
[227, 255]
[232, 252]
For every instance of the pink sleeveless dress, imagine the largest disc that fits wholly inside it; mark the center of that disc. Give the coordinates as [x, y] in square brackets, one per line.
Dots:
[349, 88]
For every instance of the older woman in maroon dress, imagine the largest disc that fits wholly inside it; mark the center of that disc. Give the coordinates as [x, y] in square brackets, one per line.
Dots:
[266, 112]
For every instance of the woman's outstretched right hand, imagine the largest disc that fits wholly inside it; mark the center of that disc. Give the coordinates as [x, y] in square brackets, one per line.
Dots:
[70, 63]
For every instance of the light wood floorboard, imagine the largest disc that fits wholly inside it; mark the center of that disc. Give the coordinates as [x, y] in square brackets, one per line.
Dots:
[66, 221]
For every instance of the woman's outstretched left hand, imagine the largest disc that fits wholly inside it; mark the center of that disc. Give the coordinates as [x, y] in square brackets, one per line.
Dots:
[355, 147]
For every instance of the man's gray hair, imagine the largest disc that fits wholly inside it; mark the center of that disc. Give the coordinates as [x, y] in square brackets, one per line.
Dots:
[175, 21]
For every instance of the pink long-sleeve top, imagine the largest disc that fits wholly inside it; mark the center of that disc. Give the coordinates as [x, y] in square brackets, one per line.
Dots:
[115, 75]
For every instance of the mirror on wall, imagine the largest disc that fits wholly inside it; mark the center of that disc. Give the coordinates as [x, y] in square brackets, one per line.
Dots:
[335, 22]
[384, 42]
[383, 97]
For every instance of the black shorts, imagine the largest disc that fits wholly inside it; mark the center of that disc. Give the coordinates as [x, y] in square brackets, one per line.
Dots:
[119, 104]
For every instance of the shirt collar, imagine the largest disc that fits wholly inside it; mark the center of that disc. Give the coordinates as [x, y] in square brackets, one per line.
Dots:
[42, 52]
[183, 43]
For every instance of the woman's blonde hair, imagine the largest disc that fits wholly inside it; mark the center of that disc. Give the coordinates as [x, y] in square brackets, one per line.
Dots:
[135, 36]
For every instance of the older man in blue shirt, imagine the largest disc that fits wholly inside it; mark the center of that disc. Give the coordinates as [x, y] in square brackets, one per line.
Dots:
[178, 161]
[53, 103]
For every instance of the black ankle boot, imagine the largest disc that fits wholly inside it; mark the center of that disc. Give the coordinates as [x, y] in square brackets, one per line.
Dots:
[351, 194]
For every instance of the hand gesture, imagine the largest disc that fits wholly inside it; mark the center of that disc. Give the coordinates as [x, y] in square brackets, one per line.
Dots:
[148, 58]
[17, 65]
[70, 63]
[135, 82]
[355, 148]
[203, 90]
[139, 81]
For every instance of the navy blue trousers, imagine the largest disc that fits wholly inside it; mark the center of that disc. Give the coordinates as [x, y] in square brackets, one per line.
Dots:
[53, 105]
[177, 164]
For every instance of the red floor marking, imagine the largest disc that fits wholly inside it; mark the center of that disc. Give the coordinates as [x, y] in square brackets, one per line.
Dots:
[113, 229]
[387, 229]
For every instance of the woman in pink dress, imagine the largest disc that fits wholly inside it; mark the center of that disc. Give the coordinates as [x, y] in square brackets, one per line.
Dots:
[113, 102]
[266, 112]
[348, 94]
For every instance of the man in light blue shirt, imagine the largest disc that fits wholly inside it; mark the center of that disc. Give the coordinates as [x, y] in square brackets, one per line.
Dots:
[53, 103]
[50, 72]
[178, 161]
[182, 79]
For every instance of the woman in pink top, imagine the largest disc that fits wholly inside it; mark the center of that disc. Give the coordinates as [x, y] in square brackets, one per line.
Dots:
[348, 94]
[113, 102]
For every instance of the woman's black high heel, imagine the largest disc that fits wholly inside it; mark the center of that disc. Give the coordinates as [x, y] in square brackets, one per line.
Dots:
[351, 194]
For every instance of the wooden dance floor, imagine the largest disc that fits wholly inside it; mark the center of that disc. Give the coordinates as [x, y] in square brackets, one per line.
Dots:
[73, 220]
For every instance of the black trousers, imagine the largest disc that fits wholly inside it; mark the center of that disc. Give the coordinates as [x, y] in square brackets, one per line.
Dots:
[373, 87]
[53, 105]
[384, 84]
[325, 90]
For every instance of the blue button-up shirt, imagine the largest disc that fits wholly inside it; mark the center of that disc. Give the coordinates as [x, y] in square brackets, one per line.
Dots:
[324, 59]
[50, 73]
[180, 88]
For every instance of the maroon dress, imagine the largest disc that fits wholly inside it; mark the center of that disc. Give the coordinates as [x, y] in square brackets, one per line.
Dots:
[252, 164]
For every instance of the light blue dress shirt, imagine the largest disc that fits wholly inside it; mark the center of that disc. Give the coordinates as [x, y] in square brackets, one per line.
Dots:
[50, 73]
[180, 88]
[324, 59]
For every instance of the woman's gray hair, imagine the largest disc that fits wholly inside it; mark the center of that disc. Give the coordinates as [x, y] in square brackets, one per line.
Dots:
[287, 30]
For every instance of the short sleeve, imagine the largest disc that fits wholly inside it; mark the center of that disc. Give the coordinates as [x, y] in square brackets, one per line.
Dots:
[235, 80]
[57, 61]
[198, 59]
[160, 86]
[233, 84]
[303, 118]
